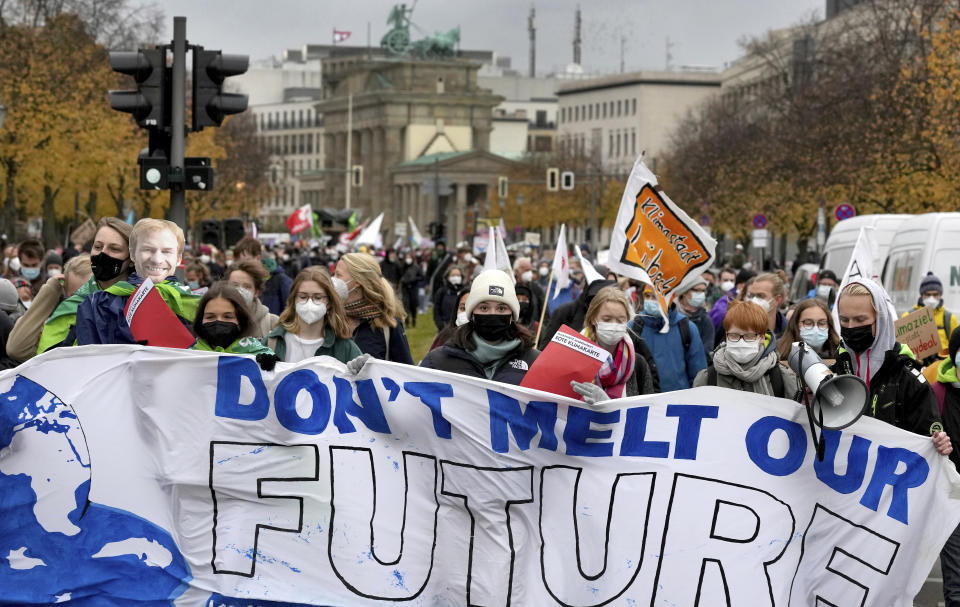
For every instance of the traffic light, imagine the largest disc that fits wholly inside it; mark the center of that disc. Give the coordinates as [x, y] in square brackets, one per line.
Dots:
[210, 104]
[501, 187]
[566, 180]
[154, 171]
[356, 176]
[149, 103]
[553, 179]
[198, 173]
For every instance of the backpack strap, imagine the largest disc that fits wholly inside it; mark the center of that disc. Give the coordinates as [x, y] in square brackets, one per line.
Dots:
[941, 392]
[711, 376]
[776, 380]
[684, 325]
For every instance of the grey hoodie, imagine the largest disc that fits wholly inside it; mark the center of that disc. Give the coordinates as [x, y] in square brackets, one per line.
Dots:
[885, 337]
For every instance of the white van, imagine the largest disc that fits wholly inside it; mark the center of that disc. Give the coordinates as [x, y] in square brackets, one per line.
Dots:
[839, 246]
[924, 243]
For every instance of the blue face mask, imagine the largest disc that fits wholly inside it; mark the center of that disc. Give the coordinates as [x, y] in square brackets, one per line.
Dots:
[651, 307]
[814, 336]
[30, 273]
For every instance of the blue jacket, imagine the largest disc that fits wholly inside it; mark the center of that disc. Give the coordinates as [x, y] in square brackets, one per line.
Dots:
[571, 293]
[276, 291]
[100, 318]
[675, 367]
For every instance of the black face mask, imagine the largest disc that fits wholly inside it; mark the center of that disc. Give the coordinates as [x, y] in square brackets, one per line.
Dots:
[106, 267]
[857, 339]
[492, 327]
[219, 333]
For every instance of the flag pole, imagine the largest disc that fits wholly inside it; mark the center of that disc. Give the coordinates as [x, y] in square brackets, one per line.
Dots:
[543, 310]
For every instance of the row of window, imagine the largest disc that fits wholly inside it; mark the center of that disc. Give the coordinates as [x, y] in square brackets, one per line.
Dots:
[622, 143]
[282, 145]
[599, 111]
[289, 119]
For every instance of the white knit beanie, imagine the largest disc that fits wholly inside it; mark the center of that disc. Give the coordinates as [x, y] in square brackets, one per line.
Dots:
[8, 296]
[493, 285]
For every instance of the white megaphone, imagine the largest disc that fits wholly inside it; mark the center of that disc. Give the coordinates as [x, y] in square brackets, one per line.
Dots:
[838, 400]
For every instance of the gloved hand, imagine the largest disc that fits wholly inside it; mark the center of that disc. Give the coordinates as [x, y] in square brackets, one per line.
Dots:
[591, 393]
[356, 365]
[267, 361]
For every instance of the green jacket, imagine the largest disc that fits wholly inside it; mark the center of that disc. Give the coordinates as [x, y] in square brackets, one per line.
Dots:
[244, 345]
[342, 349]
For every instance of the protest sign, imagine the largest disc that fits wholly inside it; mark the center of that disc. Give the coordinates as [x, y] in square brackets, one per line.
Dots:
[568, 357]
[152, 321]
[918, 330]
[655, 241]
[173, 477]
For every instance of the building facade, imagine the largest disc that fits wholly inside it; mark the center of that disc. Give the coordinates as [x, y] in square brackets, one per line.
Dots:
[613, 119]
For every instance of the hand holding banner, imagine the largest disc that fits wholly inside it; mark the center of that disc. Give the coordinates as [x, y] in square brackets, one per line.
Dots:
[655, 242]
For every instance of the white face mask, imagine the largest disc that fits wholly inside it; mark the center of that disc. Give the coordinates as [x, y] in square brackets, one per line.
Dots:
[409, 260]
[544, 270]
[52, 273]
[526, 276]
[610, 333]
[246, 294]
[743, 351]
[462, 318]
[455, 280]
[343, 291]
[204, 259]
[727, 286]
[823, 291]
[931, 302]
[697, 298]
[310, 312]
[763, 303]
[14, 264]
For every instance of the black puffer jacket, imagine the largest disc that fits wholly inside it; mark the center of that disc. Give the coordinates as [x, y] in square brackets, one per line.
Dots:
[899, 394]
[510, 369]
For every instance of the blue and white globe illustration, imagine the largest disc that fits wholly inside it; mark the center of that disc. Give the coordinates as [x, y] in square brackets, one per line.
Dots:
[55, 545]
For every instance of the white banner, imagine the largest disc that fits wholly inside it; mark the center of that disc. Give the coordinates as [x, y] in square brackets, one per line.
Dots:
[186, 478]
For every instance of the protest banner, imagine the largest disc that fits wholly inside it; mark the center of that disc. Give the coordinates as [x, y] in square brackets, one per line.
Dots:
[918, 330]
[568, 357]
[133, 474]
[655, 241]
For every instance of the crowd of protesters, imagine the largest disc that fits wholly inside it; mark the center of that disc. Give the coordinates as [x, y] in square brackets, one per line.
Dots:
[729, 327]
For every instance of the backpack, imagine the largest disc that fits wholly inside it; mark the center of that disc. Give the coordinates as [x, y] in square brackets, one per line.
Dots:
[683, 325]
[775, 374]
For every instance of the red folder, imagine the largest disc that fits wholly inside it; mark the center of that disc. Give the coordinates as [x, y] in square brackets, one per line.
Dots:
[151, 320]
[568, 357]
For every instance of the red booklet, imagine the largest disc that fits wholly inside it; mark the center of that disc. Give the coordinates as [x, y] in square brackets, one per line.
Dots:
[568, 357]
[151, 320]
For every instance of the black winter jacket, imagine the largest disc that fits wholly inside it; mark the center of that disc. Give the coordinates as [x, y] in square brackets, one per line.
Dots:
[510, 370]
[572, 313]
[899, 394]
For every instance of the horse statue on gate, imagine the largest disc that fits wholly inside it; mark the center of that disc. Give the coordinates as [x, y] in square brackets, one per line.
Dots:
[442, 45]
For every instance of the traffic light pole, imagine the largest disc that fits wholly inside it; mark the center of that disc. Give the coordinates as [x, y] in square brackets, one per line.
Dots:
[178, 121]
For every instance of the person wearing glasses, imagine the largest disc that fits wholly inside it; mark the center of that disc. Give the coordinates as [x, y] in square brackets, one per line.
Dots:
[313, 322]
[747, 359]
[812, 324]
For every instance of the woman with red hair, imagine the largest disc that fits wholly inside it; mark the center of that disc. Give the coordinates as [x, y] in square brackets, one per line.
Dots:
[747, 359]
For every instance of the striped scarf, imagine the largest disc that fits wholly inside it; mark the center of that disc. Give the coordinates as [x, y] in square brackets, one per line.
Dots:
[614, 373]
[362, 309]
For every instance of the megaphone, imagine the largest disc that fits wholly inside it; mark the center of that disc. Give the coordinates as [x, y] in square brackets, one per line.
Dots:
[838, 400]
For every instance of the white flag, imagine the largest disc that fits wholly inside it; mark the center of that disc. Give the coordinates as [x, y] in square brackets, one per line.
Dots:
[590, 273]
[561, 263]
[860, 266]
[371, 234]
[497, 257]
[416, 238]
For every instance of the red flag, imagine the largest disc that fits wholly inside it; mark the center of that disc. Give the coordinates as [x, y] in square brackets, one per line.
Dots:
[340, 36]
[300, 220]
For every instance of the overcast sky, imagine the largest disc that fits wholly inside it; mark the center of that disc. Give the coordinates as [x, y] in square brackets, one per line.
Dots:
[702, 33]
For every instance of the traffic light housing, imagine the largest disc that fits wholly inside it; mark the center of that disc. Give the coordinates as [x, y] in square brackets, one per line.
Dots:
[210, 104]
[502, 184]
[566, 180]
[149, 104]
[553, 179]
[356, 176]
[233, 231]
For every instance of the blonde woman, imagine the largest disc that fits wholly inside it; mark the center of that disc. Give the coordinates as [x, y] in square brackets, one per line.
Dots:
[627, 372]
[313, 322]
[374, 314]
